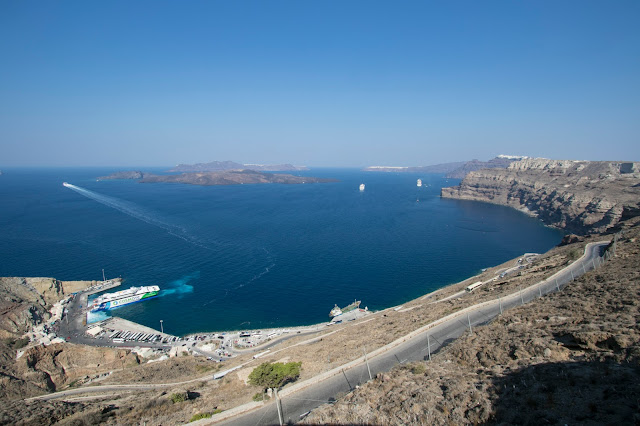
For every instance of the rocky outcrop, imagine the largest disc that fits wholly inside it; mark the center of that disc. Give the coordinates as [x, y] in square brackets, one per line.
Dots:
[233, 177]
[25, 302]
[579, 196]
[132, 174]
[54, 366]
[43, 369]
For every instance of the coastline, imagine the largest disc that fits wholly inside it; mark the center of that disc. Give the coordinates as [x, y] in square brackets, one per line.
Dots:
[445, 291]
[312, 347]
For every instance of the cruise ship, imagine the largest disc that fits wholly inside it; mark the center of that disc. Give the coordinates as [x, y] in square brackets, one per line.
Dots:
[124, 297]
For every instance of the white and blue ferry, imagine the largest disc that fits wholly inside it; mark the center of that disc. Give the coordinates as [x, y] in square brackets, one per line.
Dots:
[124, 297]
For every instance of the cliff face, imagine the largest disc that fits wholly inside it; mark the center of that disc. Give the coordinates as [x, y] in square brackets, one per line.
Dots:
[24, 302]
[579, 196]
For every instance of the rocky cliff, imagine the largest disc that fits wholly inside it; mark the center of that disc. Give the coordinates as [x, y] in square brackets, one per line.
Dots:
[579, 196]
[25, 302]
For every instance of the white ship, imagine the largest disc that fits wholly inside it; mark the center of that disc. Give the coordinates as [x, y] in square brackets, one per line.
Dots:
[337, 311]
[419, 182]
[362, 187]
[124, 297]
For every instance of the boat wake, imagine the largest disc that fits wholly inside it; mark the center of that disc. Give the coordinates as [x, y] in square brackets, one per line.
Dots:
[97, 316]
[180, 286]
[137, 212]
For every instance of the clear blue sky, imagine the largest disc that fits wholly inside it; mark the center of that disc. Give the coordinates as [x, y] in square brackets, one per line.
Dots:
[319, 83]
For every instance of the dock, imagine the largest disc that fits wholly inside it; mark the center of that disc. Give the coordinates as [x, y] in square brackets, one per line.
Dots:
[103, 285]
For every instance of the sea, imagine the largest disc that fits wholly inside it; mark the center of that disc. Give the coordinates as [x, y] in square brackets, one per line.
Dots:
[255, 256]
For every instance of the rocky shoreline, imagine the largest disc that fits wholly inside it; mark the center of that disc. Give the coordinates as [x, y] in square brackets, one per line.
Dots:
[581, 197]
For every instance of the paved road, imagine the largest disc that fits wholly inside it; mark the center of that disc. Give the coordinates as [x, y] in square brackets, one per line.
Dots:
[304, 397]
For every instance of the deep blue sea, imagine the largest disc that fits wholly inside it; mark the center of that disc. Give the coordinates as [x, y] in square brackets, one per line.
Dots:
[255, 256]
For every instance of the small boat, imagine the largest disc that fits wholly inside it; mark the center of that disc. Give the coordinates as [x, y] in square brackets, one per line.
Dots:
[336, 311]
[419, 182]
[362, 187]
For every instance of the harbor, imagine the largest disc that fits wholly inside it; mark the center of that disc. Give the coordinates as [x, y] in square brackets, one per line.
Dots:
[83, 322]
[112, 331]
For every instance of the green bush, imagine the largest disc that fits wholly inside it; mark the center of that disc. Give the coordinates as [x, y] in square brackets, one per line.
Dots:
[21, 343]
[418, 368]
[18, 343]
[179, 397]
[261, 396]
[199, 416]
[274, 375]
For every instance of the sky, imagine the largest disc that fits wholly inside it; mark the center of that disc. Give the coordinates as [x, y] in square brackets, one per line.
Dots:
[317, 83]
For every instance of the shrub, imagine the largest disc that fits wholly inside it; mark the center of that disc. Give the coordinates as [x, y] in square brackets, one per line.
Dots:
[274, 375]
[199, 416]
[260, 396]
[418, 368]
[179, 397]
[21, 343]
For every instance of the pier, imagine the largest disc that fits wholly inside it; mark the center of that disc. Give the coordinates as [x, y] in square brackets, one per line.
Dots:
[103, 285]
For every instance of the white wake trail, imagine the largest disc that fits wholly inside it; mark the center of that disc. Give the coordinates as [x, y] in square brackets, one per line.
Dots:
[136, 212]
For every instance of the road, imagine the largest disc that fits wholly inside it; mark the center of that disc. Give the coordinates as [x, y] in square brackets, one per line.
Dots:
[299, 399]
[303, 397]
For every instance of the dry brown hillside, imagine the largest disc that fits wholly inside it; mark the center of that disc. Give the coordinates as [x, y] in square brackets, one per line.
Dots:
[569, 358]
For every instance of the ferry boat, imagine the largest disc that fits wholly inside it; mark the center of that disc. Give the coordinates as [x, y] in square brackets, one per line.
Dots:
[362, 187]
[419, 182]
[124, 297]
[338, 311]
